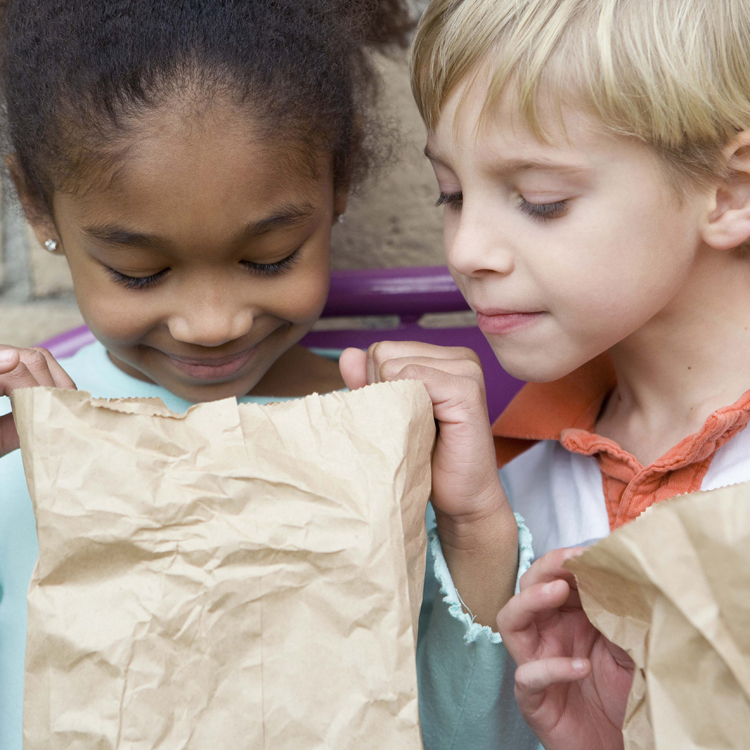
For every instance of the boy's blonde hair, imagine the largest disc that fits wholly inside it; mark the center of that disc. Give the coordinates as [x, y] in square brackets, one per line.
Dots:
[673, 73]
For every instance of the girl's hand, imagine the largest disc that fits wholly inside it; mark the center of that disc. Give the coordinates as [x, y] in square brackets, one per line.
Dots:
[25, 368]
[476, 525]
[572, 683]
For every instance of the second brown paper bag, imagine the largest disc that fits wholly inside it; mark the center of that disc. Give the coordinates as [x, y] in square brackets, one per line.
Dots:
[236, 577]
[673, 589]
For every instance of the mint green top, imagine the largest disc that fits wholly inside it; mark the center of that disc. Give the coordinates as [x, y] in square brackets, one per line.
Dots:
[465, 674]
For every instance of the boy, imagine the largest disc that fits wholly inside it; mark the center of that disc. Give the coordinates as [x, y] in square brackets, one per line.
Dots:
[593, 158]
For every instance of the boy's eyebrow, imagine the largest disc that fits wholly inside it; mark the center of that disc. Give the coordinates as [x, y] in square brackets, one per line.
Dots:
[286, 216]
[517, 165]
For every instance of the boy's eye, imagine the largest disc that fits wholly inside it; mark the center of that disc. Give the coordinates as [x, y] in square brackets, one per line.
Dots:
[137, 282]
[272, 269]
[543, 210]
[454, 200]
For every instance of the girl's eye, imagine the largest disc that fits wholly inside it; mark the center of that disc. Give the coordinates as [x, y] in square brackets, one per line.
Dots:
[455, 200]
[543, 210]
[272, 269]
[136, 282]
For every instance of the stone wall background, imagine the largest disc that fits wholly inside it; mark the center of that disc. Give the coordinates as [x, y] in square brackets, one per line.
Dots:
[393, 222]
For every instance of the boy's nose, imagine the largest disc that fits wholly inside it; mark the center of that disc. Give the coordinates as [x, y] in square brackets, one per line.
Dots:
[478, 249]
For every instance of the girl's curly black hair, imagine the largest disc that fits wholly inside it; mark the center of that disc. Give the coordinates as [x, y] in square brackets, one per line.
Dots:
[76, 74]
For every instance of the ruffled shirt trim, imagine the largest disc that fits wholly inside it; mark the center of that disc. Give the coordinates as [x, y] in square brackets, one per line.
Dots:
[451, 597]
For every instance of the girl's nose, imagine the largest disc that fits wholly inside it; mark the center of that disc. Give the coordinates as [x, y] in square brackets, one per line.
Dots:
[479, 248]
[210, 323]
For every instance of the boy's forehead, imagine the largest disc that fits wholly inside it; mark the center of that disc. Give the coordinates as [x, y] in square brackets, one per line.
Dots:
[504, 134]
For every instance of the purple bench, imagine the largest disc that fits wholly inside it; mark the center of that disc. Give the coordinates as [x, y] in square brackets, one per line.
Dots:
[407, 293]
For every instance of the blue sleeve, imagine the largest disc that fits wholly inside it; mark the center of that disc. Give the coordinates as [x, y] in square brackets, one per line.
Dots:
[466, 676]
[18, 553]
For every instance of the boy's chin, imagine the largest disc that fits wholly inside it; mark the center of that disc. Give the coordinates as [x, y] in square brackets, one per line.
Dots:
[536, 367]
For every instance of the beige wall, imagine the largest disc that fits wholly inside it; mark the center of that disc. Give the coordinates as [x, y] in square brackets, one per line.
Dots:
[392, 223]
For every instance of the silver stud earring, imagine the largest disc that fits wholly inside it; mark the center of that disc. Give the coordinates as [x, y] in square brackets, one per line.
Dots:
[341, 218]
[50, 246]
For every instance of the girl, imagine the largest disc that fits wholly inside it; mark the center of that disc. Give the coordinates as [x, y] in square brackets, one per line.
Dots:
[189, 159]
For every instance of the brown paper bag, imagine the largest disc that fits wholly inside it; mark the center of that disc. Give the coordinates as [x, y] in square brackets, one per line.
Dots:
[673, 589]
[236, 577]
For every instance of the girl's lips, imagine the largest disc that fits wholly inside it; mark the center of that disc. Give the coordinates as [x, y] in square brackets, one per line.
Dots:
[213, 369]
[505, 322]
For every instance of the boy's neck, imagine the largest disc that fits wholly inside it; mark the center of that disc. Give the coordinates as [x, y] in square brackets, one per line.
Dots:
[685, 363]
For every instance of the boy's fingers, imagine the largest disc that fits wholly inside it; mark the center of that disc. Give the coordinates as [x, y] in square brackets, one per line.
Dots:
[516, 619]
[8, 435]
[353, 367]
[60, 378]
[534, 677]
[550, 568]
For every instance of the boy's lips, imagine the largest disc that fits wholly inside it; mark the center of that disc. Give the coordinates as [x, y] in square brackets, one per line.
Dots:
[505, 321]
[213, 368]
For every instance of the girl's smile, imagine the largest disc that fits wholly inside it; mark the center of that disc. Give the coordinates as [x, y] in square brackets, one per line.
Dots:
[213, 369]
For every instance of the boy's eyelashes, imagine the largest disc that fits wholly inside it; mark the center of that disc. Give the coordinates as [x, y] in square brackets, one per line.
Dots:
[450, 199]
[144, 282]
[542, 211]
[535, 210]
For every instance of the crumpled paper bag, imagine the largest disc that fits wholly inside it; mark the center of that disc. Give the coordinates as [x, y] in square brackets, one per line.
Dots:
[673, 589]
[236, 577]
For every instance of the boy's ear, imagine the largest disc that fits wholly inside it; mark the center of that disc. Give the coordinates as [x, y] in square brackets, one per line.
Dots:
[728, 225]
[40, 221]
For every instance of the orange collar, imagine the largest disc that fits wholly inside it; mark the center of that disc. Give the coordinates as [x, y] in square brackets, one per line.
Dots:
[541, 411]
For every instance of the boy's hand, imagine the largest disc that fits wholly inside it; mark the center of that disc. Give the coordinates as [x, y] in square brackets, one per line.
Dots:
[572, 683]
[476, 525]
[25, 368]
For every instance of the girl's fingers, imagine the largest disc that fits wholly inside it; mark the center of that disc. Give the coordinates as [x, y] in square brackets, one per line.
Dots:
[20, 377]
[60, 378]
[518, 618]
[37, 366]
[353, 366]
[463, 368]
[384, 351]
[534, 677]
[8, 435]
[9, 359]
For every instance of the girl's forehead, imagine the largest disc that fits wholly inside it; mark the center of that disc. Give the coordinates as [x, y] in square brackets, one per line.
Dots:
[175, 162]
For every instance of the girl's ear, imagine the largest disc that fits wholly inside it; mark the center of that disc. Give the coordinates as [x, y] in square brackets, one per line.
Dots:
[340, 202]
[728, 224]
[41, 222]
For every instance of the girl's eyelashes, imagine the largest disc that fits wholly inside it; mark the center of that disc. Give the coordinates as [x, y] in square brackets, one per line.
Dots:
[450, 199]
[136, 282]
[543, 211]
[272, 269]
[144, 282]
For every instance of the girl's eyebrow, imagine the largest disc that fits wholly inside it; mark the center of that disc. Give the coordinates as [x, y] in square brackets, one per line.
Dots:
[112, 234]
